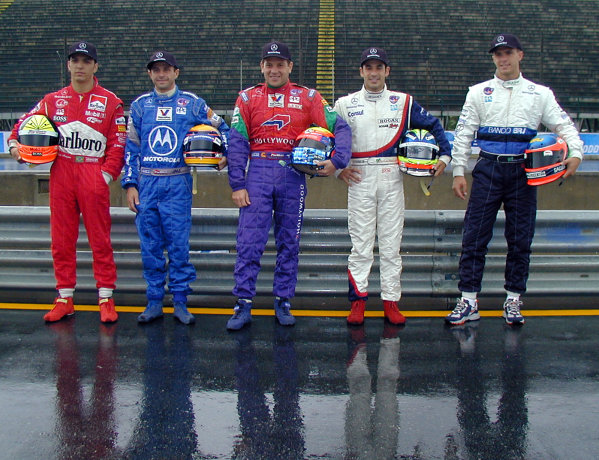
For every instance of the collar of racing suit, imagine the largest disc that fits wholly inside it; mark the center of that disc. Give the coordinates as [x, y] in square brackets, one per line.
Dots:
[167, 95]
[374, 97]
[509, 83]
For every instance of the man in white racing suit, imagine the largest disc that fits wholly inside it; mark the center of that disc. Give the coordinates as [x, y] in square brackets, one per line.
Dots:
[378, 119]
[504, 114]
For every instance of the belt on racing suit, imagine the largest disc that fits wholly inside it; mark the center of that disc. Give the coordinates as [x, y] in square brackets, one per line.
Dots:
[270, 155]
[374, 161]
[79, 158]
[165, 171]
[502, 158]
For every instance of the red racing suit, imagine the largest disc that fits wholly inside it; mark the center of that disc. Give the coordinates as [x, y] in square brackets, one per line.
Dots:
[92, 131]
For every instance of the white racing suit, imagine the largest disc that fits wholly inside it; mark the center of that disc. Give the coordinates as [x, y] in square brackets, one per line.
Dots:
[376, 203]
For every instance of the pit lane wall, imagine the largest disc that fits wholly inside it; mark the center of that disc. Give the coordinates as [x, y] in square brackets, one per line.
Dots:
[24, 186]
[564, 270]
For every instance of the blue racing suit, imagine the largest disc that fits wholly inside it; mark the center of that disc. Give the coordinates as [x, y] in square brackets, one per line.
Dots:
[154, 164]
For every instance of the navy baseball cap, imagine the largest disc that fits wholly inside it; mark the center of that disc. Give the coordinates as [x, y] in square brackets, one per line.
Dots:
[276, 49]
[162, 56]
[374, 53]
[508, 40]
[86, 48]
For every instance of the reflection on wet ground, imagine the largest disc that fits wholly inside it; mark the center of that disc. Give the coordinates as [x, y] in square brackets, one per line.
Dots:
[79, 389]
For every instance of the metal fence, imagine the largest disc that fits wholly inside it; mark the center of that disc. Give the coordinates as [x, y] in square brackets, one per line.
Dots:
[564, 265]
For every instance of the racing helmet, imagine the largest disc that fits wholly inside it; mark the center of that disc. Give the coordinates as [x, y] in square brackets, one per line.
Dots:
[313, 145]
[38, 140]
[418, 153]
[203, 147]
[543, 159]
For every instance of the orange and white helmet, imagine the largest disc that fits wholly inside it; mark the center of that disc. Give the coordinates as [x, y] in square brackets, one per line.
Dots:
[38, 140]
[203, 146]
[313, 145]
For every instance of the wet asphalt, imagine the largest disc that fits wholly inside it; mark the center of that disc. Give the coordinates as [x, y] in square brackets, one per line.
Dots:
[78, 389]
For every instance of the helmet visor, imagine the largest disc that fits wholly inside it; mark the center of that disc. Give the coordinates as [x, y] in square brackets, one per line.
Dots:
[541, 159]
[418, 152]
[38, 139]
[201, 144]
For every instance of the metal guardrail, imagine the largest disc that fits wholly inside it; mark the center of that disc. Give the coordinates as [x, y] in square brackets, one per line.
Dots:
[564, 264]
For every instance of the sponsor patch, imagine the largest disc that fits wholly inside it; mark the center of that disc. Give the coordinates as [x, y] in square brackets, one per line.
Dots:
[276, 100]
[181, 110]
[164, 114]
[61, 103]
[59, 118]
[97, 103]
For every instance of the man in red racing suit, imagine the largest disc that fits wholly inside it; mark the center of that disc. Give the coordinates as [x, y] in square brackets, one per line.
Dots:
[92, 130]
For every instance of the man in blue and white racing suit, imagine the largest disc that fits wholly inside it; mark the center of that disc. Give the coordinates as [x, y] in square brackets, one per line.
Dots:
[504, 114]
[159, 183]
[378, 119]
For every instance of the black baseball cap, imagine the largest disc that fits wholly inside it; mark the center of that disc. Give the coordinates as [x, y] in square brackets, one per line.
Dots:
[162, 56]
[508, 40]
[86, 48]
[276, 49]
[374, 53]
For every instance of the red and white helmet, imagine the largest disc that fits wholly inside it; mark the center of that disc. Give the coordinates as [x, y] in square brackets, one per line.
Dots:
[544, 159]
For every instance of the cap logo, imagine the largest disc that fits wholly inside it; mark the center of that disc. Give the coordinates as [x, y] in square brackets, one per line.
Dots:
[374, 51]
[274, 47]
[82, 46]
[159, 55]
[500, 38]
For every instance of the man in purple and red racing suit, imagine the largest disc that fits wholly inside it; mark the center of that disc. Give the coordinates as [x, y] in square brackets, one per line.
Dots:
[267, 119]
[92, 130]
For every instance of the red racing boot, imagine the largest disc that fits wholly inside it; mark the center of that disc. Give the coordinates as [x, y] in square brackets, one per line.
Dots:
[63, 306]
[107, 312]
[356, 316]
[392, 313]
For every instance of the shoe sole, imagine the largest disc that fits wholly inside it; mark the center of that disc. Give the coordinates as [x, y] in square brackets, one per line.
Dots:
[514, 323]
[68, 315]
[149, 320]
[464, 320]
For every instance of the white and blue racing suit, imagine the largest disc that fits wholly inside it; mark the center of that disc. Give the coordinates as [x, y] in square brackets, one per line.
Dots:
[504, 116]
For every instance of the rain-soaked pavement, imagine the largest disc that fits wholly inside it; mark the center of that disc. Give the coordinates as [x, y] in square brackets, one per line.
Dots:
[77, 389]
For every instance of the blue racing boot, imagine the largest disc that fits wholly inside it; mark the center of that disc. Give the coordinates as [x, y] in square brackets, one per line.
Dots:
[284, 316]
[182, 314]
[153, 311]
[242, 315]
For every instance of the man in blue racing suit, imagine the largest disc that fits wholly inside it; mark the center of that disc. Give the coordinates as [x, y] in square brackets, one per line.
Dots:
[159, 183]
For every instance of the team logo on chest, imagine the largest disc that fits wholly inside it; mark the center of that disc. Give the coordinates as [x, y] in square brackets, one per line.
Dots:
[163, 140]
[276, 100]
[278, 121]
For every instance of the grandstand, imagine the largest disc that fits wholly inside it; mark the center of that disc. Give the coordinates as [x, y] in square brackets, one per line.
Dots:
[437, 48]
